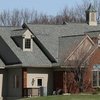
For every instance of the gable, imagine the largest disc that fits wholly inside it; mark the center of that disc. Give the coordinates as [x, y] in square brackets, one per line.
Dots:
[84, 47]
[27, 34]
[81, 52]
[67, 45]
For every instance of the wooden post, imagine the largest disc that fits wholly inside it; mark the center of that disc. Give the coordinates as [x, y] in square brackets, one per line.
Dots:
[24, 80]
[65, 81]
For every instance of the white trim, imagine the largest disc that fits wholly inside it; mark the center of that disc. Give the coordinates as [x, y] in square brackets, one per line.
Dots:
[27, 35]
[26, 49]
[91, 54]
[97, 81]
[90, 39]
[14, 66]
[86, 37]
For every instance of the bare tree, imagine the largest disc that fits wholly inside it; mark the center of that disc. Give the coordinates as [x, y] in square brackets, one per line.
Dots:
[16, 18]
[77, 65]
[43, 19]
[25, 15]
[75, 14]
[5, 18]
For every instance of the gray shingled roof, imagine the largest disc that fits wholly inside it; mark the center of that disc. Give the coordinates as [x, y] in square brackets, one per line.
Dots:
[7, 55]
[93, 33]
[31, 59]
[2, 64]
[49, 34]
[18, 32]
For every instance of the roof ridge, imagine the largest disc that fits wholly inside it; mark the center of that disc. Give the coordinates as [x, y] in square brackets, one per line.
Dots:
[19, 29]
[58, 24]
[73, 35]
[11, 26]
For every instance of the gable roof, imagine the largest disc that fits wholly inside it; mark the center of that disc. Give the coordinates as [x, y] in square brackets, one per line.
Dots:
[31, 59]
[46, 46]
[6, 57]
[49, 34]
[41, 46]
[83, 56]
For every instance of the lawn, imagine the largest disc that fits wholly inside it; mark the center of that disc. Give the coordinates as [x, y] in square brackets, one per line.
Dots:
[67, 97]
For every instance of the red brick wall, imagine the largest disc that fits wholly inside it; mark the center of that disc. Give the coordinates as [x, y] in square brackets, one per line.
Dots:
[64, 81]
[58, 80]
[94, 59]
[70, 81]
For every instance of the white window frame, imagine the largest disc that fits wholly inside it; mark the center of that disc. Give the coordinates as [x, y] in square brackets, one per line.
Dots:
[31, 45]
[97, 80]
[27, 43]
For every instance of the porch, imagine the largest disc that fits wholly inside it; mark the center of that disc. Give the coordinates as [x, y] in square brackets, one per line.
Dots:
[29, 92]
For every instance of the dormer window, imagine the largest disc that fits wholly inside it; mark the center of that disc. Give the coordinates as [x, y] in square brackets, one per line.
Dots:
[23, 38]
[27, 43]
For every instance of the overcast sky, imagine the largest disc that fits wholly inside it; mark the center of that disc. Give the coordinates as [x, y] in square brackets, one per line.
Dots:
[50, 7]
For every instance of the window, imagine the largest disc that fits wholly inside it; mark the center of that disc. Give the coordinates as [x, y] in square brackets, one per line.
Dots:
[39, 82]
[15, 81]
[96, 78]
[27, 43]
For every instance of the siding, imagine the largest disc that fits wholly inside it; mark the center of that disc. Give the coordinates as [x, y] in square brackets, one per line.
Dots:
[14, 92]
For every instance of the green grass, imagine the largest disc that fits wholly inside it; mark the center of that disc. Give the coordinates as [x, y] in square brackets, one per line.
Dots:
[67, 97]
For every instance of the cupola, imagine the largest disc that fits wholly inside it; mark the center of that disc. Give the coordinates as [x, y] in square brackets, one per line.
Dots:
[91, 16]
